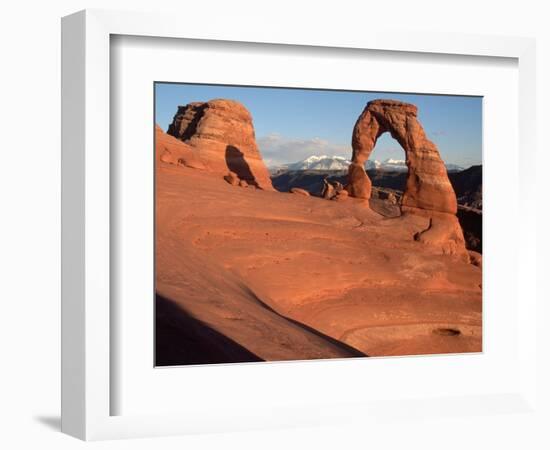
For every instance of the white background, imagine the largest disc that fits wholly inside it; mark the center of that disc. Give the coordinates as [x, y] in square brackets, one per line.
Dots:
[29, 327]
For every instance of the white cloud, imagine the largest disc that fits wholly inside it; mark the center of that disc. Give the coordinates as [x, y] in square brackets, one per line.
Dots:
[277, 149]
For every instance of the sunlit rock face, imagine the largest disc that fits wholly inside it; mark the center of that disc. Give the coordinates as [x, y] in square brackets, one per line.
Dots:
[223, 133]
[428, 191]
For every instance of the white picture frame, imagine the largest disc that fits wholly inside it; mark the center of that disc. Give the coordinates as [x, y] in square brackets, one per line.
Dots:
[86, 178]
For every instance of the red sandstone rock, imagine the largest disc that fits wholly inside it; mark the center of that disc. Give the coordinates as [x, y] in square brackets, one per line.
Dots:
[232, 179]
[340, 269]
[359, 185]
[475, 258]
[444, 232]
[328, 190]
[428, 185]
[172, 151]
[428, 191]
[299, 191]
[223, 133]
[341, 195]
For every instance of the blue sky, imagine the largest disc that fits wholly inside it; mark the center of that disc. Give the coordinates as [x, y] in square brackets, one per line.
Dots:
[292, 124]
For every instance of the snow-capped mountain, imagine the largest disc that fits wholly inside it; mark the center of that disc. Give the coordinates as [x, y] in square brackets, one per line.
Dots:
[322, 162]
[399, 165]
[326, 163]
[389, 165]
[372, 164]
[454, 168]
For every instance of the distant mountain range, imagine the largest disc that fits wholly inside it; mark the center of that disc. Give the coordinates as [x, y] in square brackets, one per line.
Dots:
[321, 163]
[325, 163]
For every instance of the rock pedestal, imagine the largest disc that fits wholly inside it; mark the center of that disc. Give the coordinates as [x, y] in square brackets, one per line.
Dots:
[222, 131]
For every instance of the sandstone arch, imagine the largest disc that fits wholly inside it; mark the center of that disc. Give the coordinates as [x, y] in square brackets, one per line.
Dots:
[428, 191]
[428, 186]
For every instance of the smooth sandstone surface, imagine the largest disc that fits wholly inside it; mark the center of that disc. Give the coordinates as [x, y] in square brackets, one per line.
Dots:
[250, 275]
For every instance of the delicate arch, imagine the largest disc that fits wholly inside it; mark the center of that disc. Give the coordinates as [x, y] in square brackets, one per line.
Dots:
[428, 186]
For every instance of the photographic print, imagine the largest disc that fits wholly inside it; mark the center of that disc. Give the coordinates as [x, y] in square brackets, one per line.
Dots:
[304, 224]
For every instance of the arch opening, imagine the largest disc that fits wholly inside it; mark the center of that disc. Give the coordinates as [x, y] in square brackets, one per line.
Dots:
[387, 170]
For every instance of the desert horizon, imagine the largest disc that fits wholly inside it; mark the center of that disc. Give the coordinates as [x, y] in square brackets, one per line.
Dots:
[298, 225]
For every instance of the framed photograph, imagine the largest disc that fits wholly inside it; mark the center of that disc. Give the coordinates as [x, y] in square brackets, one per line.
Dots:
[275, 244]
[283, 229]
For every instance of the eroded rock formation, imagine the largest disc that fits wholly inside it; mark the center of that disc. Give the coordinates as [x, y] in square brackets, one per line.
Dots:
[299, 191]
[341, 196]
[223, 133]
[172, 151]
[328, 190]
[232, 178]
[428, 191]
